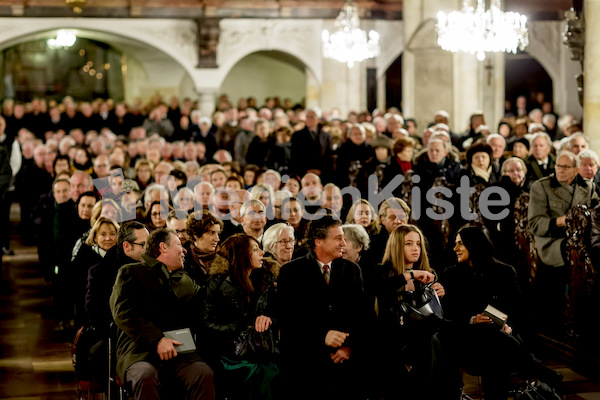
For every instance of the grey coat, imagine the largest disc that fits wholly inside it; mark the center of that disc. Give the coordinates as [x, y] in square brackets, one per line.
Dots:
[548, 201]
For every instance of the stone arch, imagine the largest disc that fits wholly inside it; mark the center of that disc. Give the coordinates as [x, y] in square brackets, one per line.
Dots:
[267, 73]
[297, 38]
[173, 38]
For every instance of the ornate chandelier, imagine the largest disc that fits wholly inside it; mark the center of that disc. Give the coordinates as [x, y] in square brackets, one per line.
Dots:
[349, 43]
[478, 31]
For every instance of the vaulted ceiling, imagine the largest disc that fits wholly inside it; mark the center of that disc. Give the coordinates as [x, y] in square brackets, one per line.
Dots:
[381, 9]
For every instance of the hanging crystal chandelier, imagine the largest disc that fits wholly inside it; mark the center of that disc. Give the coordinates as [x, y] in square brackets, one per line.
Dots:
[478, 31]
[349, 43]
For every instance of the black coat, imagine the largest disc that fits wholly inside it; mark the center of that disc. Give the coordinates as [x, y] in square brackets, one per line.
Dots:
[309, 153]
[469, 289]
[227, 310]
[258, 151]
[351, 162]
[308, 309]
[101, 278]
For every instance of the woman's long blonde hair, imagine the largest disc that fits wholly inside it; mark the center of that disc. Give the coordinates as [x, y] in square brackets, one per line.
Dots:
[394, 250]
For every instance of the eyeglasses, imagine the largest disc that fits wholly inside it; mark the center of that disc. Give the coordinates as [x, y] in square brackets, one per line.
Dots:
[286, 242]
[558, 166]
[139, 244]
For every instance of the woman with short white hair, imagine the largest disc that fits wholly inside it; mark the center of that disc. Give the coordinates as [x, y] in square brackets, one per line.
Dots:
[279, 241]
[357, 240]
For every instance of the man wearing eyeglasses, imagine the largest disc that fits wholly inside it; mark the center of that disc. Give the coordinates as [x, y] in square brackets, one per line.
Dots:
[550, 200]
[131, 238]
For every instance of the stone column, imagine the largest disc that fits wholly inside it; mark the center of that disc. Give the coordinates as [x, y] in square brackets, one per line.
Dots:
[207, 102]
[591, 99]
[435, 79]
[313, 90]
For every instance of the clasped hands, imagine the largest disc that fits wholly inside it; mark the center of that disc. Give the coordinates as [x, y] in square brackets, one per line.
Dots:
[336, 339]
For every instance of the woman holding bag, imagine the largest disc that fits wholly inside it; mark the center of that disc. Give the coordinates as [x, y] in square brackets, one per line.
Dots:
[238, 318]
[410, 350]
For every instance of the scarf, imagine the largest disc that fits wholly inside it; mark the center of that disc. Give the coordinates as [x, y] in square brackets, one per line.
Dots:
[405, 166]
[485, 175]
[201, 258]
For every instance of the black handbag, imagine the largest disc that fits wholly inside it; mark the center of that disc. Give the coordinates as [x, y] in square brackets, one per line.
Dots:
[257, 346]
[420, 305]
[536, 391]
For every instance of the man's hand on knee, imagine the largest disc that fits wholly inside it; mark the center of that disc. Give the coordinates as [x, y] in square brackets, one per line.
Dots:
[166, 348]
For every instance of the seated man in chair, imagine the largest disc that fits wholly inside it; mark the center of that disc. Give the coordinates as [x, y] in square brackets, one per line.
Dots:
[148, 299]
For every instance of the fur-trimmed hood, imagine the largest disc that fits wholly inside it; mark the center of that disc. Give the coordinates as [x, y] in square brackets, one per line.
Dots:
[220, 265]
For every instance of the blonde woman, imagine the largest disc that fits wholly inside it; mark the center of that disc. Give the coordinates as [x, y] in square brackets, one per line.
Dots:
[410, 355]
[363, 214]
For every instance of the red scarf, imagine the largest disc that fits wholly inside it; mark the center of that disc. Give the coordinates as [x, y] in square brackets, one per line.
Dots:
[404, 165]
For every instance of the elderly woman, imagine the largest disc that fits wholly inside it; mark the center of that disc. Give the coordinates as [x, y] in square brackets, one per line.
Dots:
[502, 232]
[357, 240]
[479, 168]
[184, 199]
[279, 241]
[363, 214]
[203, 228]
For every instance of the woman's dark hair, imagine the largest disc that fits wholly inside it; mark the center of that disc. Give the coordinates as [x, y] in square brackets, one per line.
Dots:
[481, 250]
[200, 222]
[237, 250]
[90, 193]
[58, 158]
[177, 174]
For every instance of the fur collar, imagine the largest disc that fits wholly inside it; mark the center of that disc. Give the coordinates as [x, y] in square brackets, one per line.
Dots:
[220, 265]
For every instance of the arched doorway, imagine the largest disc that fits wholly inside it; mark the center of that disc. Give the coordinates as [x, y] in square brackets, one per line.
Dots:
[86, 70]
[266, 74]
[137, 69]
[393, 84]
[525, 76]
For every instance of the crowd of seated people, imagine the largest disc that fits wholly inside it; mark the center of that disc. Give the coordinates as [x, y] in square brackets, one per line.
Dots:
[278, 234]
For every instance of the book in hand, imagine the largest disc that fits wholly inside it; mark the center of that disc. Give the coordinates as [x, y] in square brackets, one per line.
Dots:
[497, 316]
[184, 336]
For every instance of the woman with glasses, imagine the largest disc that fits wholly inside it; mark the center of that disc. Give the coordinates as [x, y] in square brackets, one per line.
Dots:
[203, 230]
[279, 241]
[157, 217]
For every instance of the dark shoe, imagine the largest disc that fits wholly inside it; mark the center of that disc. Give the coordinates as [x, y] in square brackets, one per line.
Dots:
[7, 252]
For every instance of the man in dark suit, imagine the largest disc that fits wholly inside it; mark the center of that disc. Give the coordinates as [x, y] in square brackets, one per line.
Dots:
[311, 148]
[321, 315]
[540, 163]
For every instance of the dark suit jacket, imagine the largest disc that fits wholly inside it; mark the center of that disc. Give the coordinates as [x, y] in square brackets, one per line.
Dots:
[309, 308]
[309, 153]
[535, 171]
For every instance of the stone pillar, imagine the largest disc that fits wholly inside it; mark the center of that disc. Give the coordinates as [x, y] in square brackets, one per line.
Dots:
[435, 79]
[313, 90]
[591, 99]
[207, 102]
